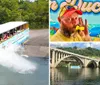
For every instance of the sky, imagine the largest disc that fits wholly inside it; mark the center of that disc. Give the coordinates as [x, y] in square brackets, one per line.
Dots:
[32, 0]
[78, 44]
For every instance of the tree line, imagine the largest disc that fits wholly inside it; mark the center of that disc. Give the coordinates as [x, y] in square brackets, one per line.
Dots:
[36, 13]
[83, 51]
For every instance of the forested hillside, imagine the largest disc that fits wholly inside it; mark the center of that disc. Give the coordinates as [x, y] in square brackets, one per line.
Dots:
[36, 13]
[83, 51]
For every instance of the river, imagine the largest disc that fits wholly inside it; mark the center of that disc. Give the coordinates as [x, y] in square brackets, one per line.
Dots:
[68, 76]
[38, 77]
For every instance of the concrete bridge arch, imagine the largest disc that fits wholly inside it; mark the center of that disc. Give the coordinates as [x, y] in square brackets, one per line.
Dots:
[92, 64]
[70, 56]
[58, 55]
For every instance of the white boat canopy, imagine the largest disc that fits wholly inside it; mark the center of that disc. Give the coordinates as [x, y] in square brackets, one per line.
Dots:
[10, 25]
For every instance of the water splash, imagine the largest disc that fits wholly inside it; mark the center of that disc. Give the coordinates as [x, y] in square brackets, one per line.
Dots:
[11, 58]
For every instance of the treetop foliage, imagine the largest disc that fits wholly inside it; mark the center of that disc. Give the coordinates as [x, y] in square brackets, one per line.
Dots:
[36, 13]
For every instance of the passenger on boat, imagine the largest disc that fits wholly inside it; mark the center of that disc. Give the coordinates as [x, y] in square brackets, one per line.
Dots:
[5, 37]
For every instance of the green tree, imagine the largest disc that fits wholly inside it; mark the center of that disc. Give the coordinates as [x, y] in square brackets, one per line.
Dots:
[36, 13]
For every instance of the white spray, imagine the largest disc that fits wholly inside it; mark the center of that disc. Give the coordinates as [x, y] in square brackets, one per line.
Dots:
[11, 58]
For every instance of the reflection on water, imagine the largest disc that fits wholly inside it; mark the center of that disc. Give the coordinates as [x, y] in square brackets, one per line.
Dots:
[68, 76]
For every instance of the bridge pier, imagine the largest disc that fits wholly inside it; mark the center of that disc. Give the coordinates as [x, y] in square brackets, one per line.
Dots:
[53, 59]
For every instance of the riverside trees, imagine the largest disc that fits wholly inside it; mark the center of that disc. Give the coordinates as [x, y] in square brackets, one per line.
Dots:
[91, 52]
[36, 13]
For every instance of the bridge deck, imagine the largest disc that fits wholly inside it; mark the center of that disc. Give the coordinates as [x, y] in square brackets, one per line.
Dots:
[82, 56]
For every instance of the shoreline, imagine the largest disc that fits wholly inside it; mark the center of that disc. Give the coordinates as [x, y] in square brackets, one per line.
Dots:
[38, 43]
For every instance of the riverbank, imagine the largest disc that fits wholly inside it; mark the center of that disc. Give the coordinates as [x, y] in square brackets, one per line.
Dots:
[38, 43]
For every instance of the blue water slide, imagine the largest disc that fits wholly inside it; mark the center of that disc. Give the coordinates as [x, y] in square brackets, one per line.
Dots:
[95, 32]
[54, 24]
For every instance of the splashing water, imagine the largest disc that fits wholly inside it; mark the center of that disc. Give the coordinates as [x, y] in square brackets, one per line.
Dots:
[11, 58]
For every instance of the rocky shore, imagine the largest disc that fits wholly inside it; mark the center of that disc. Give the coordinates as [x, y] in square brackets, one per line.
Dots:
[38, 43]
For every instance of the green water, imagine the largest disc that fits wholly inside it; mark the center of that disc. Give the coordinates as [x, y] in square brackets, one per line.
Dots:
[39, 77]
[67, 76]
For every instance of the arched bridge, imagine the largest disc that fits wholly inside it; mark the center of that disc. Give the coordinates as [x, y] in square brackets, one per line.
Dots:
[58, 55]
